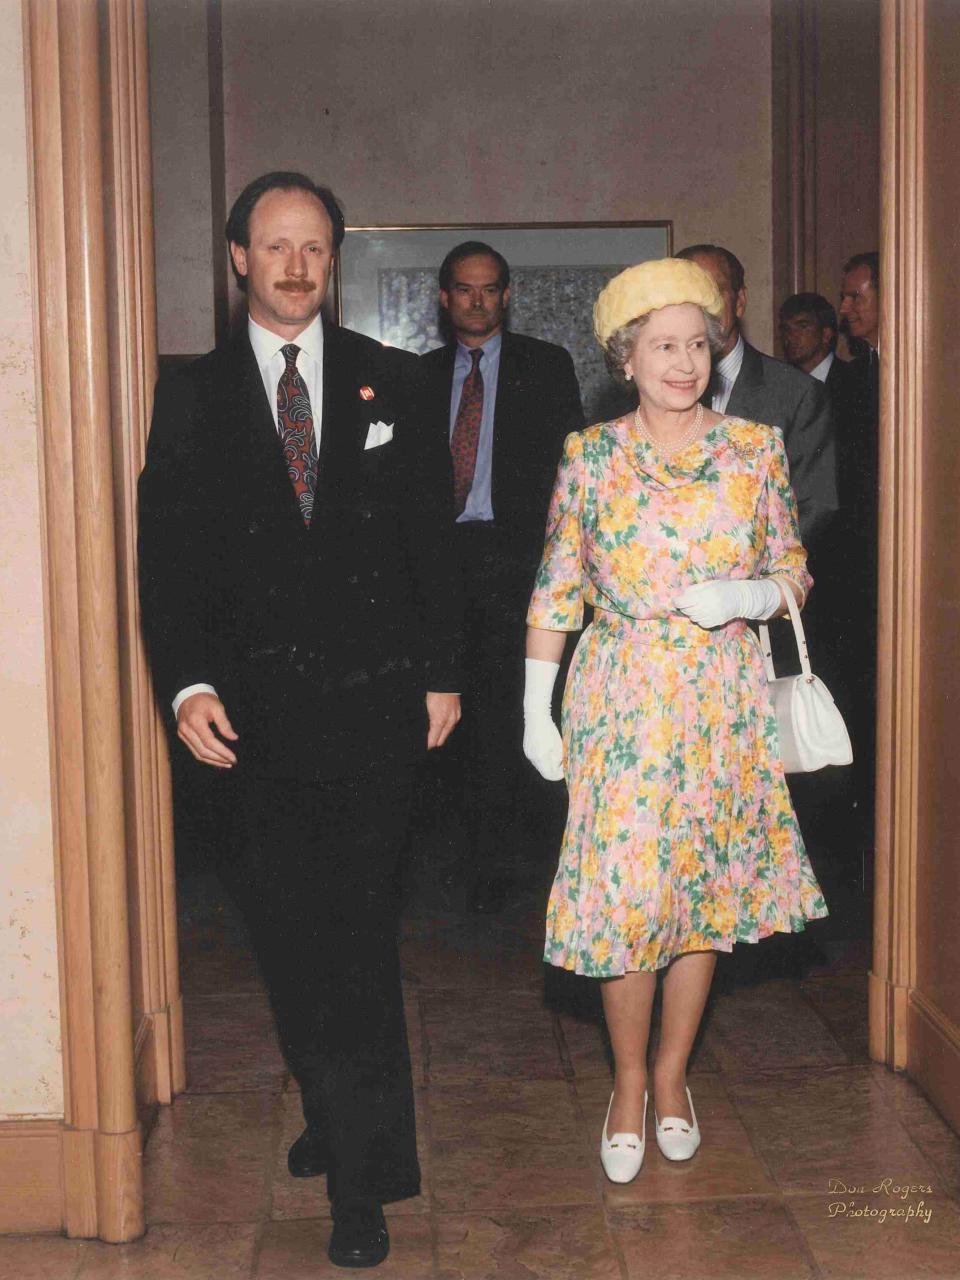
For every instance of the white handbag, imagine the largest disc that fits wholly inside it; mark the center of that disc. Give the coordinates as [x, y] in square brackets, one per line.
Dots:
[811, 728]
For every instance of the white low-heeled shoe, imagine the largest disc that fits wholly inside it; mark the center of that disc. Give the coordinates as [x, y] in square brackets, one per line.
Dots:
[677, 1138]
[622, 1155]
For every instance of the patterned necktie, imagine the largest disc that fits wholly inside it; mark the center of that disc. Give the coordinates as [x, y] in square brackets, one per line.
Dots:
[295, 425]
[466, 432]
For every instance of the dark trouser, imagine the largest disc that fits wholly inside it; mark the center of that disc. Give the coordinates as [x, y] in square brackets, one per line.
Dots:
[313, 870]
[496, 784]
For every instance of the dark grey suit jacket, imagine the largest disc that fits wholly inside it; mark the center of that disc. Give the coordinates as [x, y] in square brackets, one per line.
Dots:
[778, 395]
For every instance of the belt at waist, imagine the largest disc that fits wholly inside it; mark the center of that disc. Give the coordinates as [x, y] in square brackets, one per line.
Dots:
[671, 632]
[475, 528]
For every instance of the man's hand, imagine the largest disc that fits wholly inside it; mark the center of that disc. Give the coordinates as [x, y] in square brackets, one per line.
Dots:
[194, 718]
[443, 712]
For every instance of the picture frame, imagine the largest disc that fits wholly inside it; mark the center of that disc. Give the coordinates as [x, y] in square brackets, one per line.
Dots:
[386, 285]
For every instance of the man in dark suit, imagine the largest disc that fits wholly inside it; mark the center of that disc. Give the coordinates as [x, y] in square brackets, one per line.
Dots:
[857, 535]
[808, 335]
[748, 384]
[300, 607]
[505, 402]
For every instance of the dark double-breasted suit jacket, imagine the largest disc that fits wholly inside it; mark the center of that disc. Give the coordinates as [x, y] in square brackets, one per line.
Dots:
[320, 642]
[852, 387]
[772, 392]
[849, 559]
[537, 406]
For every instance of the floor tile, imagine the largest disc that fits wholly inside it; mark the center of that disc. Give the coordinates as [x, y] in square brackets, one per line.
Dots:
[175, 1253]
[39, 1257]
[298, 1251]
[586, 1047]
[924, 1126]
[217, 961]
[411, 1007]
[771, 1027]
[813, 1126]
[878, 1244]
[498, 1113]
[231, 1044]
[473, 955]
[542, 1244]
[208, 1157]
[725, 1165]
[714, 1240]
[488, 1179]
[491, 1034]
[841, 1001]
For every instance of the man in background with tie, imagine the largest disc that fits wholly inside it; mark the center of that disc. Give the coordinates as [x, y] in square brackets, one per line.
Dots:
[748, 384]
[506, 402]
[301, 610]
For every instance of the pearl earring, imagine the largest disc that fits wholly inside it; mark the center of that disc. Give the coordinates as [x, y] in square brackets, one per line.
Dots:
[627, 374]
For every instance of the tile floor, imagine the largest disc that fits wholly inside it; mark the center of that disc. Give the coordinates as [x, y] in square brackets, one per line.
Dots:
[513, 1078]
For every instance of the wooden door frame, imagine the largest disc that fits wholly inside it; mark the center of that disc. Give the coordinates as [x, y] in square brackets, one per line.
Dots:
[893, 972]
[95, 339]
[893, 963]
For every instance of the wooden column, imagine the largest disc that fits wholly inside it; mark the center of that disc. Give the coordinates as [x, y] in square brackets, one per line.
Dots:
[893, 968]
[132, 348]
[915, 1000]
[97, 356]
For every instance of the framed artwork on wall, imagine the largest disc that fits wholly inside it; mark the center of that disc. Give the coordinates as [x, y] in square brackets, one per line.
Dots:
[386, 285]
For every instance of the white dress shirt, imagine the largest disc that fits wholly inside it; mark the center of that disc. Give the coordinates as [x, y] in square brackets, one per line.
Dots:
[726, 372]
[823, 368]
[268, 353]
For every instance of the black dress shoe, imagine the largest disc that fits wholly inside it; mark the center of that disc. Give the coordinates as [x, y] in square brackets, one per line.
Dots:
[360, 1236]
[307, 1158]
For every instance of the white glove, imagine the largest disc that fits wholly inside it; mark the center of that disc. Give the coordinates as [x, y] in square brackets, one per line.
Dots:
[711, 604]
[542, 744]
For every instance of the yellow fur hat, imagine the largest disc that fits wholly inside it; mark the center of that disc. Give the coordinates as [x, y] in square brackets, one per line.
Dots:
[649, 286]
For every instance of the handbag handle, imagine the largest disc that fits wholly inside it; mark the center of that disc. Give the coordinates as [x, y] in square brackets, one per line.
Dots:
[798, 634]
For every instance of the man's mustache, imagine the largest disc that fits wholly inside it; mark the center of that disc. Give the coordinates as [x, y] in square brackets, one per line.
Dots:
[295, 286]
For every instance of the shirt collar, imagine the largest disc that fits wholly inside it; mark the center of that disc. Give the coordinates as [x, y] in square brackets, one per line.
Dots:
[490, 348]
[266, 343]
[823, 368]
[729, 366]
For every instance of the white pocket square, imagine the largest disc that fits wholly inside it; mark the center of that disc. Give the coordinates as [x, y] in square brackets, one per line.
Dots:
[378, 433]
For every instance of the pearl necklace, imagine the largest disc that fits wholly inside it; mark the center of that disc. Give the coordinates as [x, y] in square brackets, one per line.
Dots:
[669, 450]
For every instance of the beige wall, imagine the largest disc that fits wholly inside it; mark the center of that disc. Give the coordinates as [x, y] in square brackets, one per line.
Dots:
[180, 124]
[507, 110]
[847, 137]
[30, 1065]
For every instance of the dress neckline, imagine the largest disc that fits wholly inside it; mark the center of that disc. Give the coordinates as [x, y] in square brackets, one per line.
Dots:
[678, 468]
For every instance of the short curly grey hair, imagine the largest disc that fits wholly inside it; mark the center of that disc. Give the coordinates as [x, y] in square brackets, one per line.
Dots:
[622, 341]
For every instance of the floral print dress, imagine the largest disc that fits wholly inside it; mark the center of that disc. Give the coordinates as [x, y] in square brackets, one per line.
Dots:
[680, 834]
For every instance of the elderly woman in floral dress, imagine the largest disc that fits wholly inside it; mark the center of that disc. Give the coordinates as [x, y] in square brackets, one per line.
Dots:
[677, 525]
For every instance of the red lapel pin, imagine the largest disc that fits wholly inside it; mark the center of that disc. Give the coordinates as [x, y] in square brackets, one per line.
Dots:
[366, 393]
